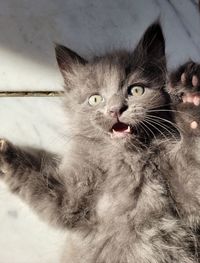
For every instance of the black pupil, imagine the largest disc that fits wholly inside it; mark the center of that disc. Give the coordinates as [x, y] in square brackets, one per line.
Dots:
[133, 89]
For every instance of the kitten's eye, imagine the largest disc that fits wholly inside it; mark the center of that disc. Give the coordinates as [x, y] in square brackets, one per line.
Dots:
[135, 90]
[95, 100]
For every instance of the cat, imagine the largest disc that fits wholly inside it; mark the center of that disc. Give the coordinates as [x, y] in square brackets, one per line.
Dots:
[128, 190]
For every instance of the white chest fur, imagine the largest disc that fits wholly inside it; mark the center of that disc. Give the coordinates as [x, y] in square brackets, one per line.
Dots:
[105, 204]
[111, 205]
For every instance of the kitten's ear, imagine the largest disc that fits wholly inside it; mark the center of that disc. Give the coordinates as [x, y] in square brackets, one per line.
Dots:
[67, 60]
[153, 42]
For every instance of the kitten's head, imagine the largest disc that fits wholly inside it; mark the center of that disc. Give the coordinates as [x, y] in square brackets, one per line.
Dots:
[116, 95]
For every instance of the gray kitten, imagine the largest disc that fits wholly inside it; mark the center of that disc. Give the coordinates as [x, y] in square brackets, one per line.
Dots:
[128, 191]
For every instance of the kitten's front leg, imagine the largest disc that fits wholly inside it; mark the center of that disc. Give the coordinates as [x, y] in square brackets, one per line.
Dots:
[34, 175]
[184, 177]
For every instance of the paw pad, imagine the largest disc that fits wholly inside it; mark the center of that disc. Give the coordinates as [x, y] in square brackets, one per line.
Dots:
[195, 81]
[183, 78]
[191, 98]
[194, 125]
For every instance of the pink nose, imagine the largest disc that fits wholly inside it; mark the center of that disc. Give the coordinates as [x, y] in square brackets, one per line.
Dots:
[116, 111]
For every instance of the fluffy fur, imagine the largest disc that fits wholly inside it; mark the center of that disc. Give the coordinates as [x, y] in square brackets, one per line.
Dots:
[128, 191]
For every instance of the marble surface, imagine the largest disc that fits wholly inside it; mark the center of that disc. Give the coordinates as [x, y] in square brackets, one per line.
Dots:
[37, 122]
[24, 238]
[28, 29]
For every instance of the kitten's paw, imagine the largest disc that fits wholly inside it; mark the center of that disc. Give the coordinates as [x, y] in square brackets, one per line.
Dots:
[184, 89]
[184, 84]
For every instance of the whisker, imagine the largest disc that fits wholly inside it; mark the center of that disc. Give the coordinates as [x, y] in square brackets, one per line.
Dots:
[142, 122]
[150, 123]
[165, 120]
[143, 128]
[166, 110]
[163, 126]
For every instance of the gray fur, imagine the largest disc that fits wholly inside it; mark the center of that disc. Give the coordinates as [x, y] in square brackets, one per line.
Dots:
[125, 200]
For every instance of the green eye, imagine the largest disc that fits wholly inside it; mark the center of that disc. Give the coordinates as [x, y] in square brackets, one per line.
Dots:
[135, 90]
[95, 100]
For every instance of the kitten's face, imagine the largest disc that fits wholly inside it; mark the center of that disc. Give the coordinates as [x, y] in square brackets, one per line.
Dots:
[116, 95]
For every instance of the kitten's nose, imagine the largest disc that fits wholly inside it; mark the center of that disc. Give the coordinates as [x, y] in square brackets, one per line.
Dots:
[116, 110]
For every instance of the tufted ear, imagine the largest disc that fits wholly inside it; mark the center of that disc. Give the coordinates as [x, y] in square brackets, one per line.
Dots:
[67, 60]
[152, 43]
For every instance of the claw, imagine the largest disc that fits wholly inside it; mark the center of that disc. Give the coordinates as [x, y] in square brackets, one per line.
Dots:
[189, 98]
[196, 101]
[183, 78]
[195, 81]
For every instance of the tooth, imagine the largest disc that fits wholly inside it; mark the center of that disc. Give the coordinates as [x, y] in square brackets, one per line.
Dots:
[129, 129]
[114, 132]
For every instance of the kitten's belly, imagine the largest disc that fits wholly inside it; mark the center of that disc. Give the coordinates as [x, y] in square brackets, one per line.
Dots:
[105, 243]
[129, 228]
[98, 247]
[123, 246]
[113, 239]
[116, 240]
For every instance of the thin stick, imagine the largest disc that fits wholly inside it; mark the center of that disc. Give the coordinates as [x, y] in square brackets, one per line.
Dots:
[31, 93]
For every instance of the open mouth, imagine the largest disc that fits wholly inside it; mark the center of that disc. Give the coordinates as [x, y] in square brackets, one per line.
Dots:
[120, 130]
